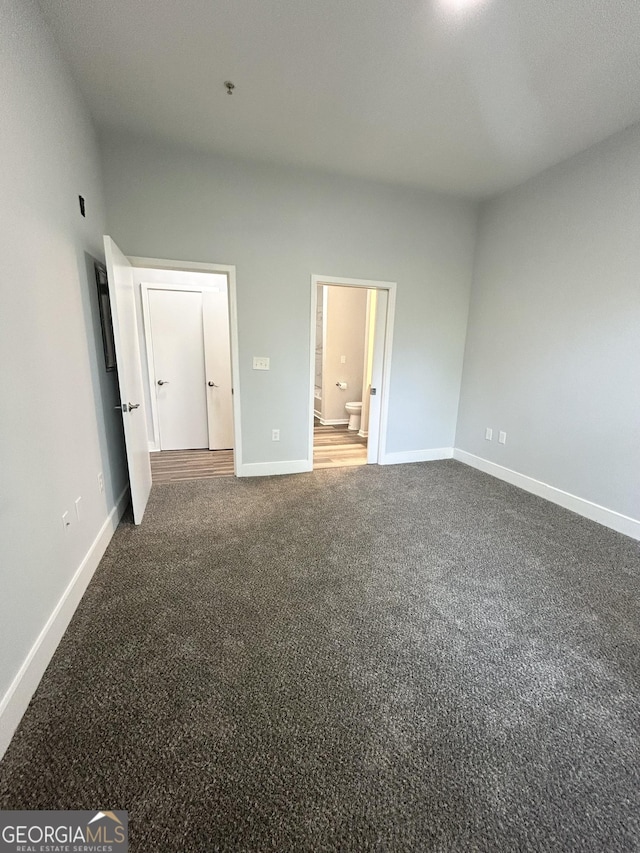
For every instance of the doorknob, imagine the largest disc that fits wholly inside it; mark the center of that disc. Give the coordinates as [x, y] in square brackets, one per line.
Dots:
[133, 406]
[163, 381]
[212, 385]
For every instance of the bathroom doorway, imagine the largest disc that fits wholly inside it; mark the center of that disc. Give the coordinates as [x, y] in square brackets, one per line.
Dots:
[351, 351]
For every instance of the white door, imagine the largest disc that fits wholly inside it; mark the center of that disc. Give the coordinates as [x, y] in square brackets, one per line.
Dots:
[125, 335]
[178, 368]
[217, 349]
[373, 439]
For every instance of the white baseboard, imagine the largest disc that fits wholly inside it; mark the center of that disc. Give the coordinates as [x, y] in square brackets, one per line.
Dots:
[362, 433]
[267, 469]
[153, 447]
[16, 700]
[333, 421]
[430, 455]
[588, 509]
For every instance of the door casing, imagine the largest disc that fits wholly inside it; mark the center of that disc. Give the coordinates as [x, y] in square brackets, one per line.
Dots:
[230, 272]
[369, 284]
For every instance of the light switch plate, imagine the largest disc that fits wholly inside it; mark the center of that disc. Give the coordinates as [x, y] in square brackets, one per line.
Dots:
[502, 438]
[260, 362]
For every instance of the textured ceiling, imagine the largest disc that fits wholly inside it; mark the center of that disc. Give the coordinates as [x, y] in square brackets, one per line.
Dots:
[465, 96]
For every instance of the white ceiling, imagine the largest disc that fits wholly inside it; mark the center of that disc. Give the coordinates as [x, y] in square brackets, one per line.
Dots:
[465, 96]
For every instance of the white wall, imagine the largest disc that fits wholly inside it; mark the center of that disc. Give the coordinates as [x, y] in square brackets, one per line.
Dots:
[553, 348]
[281, 225]
[346, 318]
[58, 424]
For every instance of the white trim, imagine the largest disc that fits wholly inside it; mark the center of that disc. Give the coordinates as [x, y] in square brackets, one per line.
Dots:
[429, 455]
[333, 422]
[595, 512]
[230, 270]
[16, 700]
[185, 266]
[369, 284]
[386, 371]
[148, 343]
[187, 288]
[153, 448]
[267, 469]
[362, 433]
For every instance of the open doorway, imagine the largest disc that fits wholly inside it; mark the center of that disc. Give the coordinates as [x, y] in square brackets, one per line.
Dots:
[351, 326]
[128, 331]
[187, 367]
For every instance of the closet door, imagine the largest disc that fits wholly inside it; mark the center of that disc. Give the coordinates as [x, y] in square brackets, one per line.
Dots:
[178, 368]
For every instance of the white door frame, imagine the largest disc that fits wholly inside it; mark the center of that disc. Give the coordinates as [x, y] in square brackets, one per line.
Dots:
[145, 287]
[390, 287]
[195, 266]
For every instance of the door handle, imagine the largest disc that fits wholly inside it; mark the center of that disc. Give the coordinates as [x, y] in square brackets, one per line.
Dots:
[212, 385]
[133, 406]
[163, 381]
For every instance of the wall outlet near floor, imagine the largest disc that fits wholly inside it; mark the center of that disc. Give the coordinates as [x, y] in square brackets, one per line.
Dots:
[343, 359]
[488, 434]
[78, 508]
[260, 362]
[100, 481]
[66, 521]
[275, 435]
[502, 438]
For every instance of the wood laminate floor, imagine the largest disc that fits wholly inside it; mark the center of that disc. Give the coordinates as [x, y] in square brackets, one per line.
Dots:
[333, 447]
[337, 447]
[171, 465]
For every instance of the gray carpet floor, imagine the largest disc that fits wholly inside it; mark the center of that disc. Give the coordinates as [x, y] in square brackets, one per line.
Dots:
[408, 658]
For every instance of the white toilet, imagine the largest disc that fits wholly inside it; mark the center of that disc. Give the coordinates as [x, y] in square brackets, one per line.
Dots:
[354, 410]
